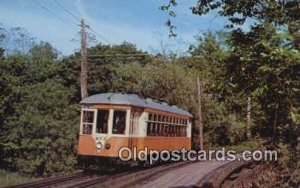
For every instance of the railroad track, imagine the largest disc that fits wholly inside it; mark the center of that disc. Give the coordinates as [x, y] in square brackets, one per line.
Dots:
[227, 174]
[82, 179]
[140, 177]
[51, 181]
[213, 174]
[129, 178]
[89, 179]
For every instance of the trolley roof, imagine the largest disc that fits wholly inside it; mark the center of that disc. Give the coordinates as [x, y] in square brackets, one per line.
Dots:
[132, 100]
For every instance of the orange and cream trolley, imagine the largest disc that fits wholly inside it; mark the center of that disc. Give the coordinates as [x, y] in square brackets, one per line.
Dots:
[111, 121]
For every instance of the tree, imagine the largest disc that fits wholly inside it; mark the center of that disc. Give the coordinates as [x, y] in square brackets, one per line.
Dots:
[207, 57]
[264, 62]
[39, 122]
[268, 72]
[15, 40]
[104, 60]
[40, 135]
[258, 64]
[161, 81]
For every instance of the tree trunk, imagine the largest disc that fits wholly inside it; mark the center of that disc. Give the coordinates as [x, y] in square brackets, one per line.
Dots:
[200, 121]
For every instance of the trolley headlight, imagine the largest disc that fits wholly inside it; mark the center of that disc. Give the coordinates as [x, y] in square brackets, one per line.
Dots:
[98, 145]
[107, 145]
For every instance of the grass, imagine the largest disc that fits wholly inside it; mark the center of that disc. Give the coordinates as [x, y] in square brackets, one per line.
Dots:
[13, 178]
[253, 144]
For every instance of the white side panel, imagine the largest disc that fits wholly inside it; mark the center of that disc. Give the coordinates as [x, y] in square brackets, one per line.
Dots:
[110, 121]
[143, 125]
[127, 122]
[95, 119]
[189, 129]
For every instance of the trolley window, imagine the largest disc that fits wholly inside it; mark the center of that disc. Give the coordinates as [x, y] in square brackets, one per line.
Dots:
[168, 126]
[87, 121]
[102, 121]
[119, 122]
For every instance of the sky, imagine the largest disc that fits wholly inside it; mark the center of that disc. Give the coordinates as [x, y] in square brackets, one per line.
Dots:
[140, 22]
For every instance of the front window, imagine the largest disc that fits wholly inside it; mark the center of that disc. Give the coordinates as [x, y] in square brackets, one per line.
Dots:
[119, 122]
[87, 122]
[102, 121]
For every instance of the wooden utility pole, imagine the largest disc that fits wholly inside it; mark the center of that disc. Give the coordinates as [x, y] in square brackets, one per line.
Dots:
[83, 73]
[249, 121]
[200, 121]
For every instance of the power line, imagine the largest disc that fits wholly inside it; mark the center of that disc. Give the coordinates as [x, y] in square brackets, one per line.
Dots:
[45, 8]
[118, 55]
[99, 35]
[68, 11]
[101, 57]
[212, 19]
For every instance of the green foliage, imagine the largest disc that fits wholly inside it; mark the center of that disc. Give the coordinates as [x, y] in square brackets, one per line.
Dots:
[38, 122]
[286, 172]
[39, 93]
[47, 134]
[250, 144]
[170, 83]
[262, 63]
[267, 72]
[42, 63]
[104, 60]
[222, 125]
[225, 131]
[239, 11]
[13, 178]
[175, 83]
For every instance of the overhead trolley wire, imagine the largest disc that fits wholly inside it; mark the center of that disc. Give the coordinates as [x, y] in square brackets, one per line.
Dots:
[99, 35]
[67, 10]
[119, 55]
[73, 15]
[88, 27]
[56, 16]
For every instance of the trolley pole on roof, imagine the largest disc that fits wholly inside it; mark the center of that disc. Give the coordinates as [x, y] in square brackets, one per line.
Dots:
[83, 73]
[200, 121]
